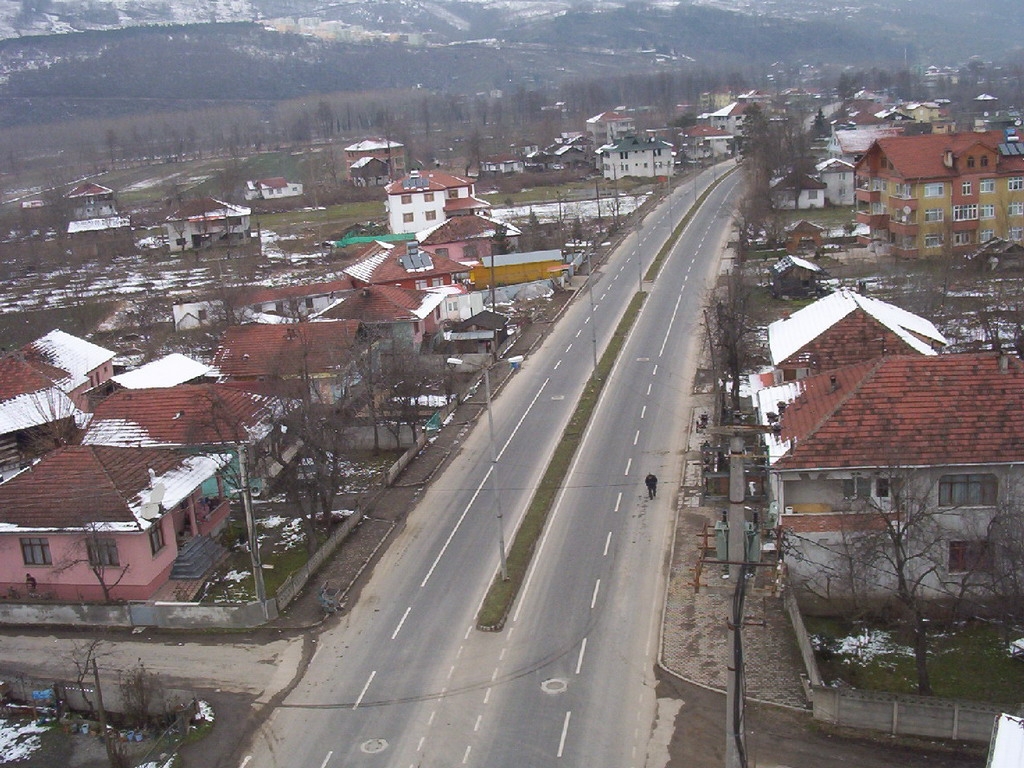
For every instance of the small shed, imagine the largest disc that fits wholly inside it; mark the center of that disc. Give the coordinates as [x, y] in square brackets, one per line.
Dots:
[793, 277]
[804, 236]
[479, 334]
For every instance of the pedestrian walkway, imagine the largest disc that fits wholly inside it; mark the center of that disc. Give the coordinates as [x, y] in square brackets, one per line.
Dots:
[695, 630]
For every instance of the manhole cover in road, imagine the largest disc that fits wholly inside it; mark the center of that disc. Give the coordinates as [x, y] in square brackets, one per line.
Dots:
[373, 746]
[554, 685]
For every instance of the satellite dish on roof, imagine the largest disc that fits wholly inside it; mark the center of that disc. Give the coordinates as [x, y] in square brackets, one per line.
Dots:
[906, 209]
[152, 509]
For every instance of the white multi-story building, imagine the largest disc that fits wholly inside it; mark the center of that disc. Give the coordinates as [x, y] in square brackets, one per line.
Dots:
[632, 156]
[425, 199]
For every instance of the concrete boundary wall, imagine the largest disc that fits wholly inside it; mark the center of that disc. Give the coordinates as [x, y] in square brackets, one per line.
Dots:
[904, 715]
[895, 714]
[81, 697]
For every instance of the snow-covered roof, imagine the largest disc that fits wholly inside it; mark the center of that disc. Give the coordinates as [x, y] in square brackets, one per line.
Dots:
[767, 401]
[833, 164]
[529, 257]
[36, 408]
[69, 353]
[98, 225]
[791, 334]
[166, 372]
[1007, 747]
[370, 145]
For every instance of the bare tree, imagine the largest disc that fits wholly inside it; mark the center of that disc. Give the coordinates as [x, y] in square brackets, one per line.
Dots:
[731, 327]
[97, 550]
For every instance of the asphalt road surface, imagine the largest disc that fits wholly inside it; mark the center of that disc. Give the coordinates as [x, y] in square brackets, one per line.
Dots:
[404, 679]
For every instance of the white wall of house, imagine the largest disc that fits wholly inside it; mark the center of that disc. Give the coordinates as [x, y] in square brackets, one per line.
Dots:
[821, 509]
[411, 211]
[648, 163]
[840, 186]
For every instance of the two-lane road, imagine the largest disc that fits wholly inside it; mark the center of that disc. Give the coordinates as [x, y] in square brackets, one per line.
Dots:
[405, 680]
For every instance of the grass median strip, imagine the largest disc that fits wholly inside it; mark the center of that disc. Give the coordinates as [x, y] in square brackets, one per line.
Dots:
[502, 594]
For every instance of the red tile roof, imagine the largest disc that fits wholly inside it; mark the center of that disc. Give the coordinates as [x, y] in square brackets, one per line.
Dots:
[909, 411]
[378, 304]
[275, 182]
[188, 414]
[83, 484]
[459, 228]
[18, 376]
[922, 157]
[89, 188]
[388, 268]
[465, 204]
[430, 181]
[284, 351]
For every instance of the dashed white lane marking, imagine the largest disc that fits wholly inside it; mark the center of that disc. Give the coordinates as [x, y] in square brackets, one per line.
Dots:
[402, 621]
[583, 649]
[565, 732]
[364, 691]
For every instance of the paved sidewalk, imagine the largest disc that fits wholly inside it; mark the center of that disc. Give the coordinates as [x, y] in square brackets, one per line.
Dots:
[695, 630]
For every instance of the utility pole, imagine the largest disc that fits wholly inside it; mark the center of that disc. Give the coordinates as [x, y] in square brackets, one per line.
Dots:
[250, 524]
[735, 739]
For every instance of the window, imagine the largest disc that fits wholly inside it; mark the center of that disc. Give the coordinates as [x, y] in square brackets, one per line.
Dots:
[985, 235]
[469, 251]
[1016, 208]
[812, 194]
[970, 164]
[453, 194]
[309, 302]
[1016, 233]
[1015, 183]
[857, 488]
[882, 488]
[35, 551]
[156, 538]
[203, 315]
[965, 212]
[967, 556]
[987, 185]
[933, 214]
[431, 215]
[961, 238]
[934, 190]
[406, 199]
[967, 490]
[436, 282]
[965, 187]
[428, 197]
[421, 285]
[407, 218]
[900, 190]
[933, 240]
[984, 161]
[102, 552]
[987, 211]
[441, 252]
[623, 155]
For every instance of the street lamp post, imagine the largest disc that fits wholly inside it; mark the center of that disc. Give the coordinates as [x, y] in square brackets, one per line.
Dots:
[492, 474]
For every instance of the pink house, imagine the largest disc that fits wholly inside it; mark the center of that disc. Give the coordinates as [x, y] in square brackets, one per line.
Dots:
[468, 239]
[101, 524]
[407, 266]
[406, 317]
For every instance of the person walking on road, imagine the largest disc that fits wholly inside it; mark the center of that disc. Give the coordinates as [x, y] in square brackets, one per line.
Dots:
[652, 485]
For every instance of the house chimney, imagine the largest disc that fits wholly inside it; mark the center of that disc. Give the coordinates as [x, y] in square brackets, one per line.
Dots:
[947, 158]
[1004, 362]
[833, 383]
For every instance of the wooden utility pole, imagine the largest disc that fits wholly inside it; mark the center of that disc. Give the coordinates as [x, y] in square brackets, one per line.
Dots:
[735, 739]
[111, 755]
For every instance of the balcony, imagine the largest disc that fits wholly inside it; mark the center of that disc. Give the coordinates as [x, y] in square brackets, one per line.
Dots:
[968, 225]
[905, 251]
[869, 196]
[873, 220]
[903, 229]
